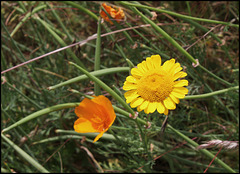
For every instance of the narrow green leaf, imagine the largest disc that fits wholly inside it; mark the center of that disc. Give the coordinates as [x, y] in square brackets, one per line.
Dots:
[211, 94]
[97, 57]
[95, 73]
[27, 157]
[40, 113]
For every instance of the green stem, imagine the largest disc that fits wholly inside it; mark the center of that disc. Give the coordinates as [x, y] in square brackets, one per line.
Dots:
[178, 15]
[210, 94]
[97, 57]
[27, 157]
[41, 112]
[130, 64]
[95, 73]
[189, 8]
[204, 151]
[77, 136]
[223, 105]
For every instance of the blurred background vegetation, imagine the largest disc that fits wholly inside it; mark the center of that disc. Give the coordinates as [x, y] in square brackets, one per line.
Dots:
[30, 29]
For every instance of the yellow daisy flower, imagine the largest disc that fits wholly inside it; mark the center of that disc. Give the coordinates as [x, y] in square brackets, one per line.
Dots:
[154, 86]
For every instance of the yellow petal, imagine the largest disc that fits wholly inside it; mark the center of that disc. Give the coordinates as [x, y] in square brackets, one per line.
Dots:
[152, 107]
[146, 111]
[141, 66]
[169, 104]
[149, 63]
[129, 86]
[136, 72]
[179, 75]
[144, 66]
[178, 69]
[176, 100]
[182, 90]
[180, 83]
[175, 68]
[168, 64]
[130, 95]
[131, 79]
[136, 102]
[138, 109]
[166, 111]
[156, 61]
[144, 105]
[176, 65]
[160, 107]
[131, 98]
[178, 95]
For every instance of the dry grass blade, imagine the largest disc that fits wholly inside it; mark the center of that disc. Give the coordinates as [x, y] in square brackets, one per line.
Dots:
[219, 143]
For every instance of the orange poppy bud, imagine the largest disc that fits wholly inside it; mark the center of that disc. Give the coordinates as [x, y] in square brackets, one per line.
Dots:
[116, 14]
[95, 115]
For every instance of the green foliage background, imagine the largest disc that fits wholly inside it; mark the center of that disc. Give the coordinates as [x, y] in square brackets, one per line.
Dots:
[25, 34]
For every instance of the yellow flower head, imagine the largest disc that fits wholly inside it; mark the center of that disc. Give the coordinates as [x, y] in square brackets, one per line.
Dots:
[116, 14]
[153, 86]
[95, 115]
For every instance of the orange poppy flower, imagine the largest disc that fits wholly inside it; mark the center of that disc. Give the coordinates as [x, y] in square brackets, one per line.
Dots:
[116, 14]
[95, 115]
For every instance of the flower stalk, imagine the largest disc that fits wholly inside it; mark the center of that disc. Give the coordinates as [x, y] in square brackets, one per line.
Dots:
[97, 57]
[211, 94]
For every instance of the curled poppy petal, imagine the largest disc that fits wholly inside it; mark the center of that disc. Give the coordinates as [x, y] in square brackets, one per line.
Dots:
[95, 115]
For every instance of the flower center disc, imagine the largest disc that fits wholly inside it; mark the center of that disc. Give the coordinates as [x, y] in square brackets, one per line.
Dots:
[155, 86]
